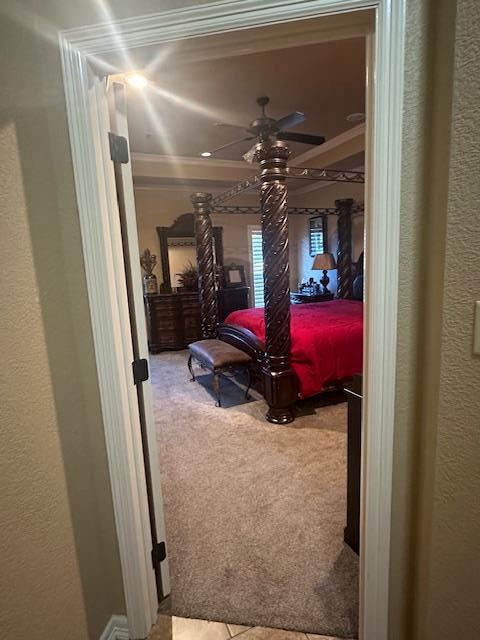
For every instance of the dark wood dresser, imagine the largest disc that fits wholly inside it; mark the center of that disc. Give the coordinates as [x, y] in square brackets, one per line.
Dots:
[173, 319]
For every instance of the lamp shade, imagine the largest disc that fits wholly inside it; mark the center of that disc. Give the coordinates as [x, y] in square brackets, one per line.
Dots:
[323, 262]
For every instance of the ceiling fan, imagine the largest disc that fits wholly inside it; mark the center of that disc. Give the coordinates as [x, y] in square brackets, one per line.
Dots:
[265, 127]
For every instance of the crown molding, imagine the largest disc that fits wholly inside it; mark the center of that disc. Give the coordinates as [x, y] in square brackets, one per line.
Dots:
[185, 188]
[192, 161]
[191, 170]
[355, 134]
[208, 19]
[157, 165]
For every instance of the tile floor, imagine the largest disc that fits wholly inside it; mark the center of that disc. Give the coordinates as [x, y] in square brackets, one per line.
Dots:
[173, 628]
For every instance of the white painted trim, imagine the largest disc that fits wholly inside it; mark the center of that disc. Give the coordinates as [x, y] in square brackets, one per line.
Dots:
[251, 193]
[194, 21]
[188, 161]
[116, 629]
[383, 206]
[103, 257]
[329, 145]
[239, 168]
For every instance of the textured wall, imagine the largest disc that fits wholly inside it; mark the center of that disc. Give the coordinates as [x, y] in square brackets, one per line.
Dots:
[40, 573]
[324, 197]
[452, 607]
[413, 225]
[161, 207]
[436, 519]
[57, 545]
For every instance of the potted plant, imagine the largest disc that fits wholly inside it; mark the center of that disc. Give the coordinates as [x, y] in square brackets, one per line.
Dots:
[188, 278]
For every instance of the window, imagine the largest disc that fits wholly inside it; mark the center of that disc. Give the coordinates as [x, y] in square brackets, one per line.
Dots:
[318, 235]
[256, 253]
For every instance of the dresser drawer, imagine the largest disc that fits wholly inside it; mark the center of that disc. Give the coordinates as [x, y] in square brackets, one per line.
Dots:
[190, 308]
[191, 321]
[160, 306]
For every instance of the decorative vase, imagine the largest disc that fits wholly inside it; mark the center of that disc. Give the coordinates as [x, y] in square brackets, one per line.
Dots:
[148, 262]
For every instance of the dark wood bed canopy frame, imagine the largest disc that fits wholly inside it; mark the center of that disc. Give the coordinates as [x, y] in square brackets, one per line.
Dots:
[272, 358]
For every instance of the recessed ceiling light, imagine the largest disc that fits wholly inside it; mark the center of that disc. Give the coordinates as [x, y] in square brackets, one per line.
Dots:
[206, 154]
[355, 117]
[137, 80]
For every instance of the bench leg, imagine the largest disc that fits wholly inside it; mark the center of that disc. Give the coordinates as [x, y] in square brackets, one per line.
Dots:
[190, 368]
[216, 388]
[247, 395]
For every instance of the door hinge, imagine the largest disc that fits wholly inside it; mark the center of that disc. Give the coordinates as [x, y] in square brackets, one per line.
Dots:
[118, 148]
[140, 370]
[159, 553]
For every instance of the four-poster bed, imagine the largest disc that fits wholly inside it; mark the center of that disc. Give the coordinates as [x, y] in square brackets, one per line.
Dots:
[271, 348]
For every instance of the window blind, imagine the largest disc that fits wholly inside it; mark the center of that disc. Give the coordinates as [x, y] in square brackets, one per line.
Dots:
[316, 241]
[257, 266]
[317, 235]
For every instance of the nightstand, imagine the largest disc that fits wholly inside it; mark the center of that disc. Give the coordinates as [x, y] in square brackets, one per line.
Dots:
[298, 297]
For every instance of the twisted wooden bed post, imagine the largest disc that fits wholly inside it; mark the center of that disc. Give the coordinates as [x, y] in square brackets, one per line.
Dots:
[205, 263]
[280, 382]
[344, 253]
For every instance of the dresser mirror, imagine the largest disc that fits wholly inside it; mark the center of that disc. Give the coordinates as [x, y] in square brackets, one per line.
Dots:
[178, 250]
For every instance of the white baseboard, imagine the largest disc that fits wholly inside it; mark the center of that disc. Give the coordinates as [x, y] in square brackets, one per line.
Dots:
[116, 629]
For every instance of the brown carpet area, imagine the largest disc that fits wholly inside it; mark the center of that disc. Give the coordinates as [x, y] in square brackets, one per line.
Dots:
[254, 512]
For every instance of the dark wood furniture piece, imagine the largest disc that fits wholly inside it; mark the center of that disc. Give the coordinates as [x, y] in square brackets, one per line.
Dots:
[279, 380]
[219, 358]
[351, 533]
[298, 297]
[231, 299]
[174, 319]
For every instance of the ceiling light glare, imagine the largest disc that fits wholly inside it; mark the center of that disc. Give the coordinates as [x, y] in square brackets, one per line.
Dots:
[206, 154]
[355, 117]
[137, 80]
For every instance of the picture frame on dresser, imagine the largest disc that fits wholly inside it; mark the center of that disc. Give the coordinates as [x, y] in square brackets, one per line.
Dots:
[234, 276]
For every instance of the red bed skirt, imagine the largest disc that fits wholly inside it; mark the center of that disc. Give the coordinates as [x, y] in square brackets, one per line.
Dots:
[327, 340]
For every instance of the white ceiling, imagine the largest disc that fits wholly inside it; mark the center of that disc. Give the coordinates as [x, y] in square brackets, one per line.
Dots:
[175, 115]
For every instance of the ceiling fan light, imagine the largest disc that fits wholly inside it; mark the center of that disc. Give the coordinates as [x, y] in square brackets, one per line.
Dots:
[137, 80]
[206, 154]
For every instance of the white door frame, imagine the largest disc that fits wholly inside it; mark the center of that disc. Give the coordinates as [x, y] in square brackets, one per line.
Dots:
[107, 296]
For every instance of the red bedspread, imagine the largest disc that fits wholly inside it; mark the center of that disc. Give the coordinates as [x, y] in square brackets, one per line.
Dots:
[327, 340]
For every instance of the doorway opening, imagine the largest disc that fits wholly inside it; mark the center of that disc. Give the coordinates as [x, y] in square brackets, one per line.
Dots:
[113, 342]
[255, 510]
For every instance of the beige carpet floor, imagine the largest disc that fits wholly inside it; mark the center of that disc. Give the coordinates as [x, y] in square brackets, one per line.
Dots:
[254, 512]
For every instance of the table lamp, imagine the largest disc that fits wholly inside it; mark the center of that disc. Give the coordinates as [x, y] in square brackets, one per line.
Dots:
[324, 262]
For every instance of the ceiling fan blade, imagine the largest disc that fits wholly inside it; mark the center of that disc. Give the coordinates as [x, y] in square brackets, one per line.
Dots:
[230, 144]
[229, 124]
[290, 121]
[305, 138]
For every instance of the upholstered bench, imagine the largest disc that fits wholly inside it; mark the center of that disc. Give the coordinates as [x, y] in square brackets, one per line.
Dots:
[219, 358]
